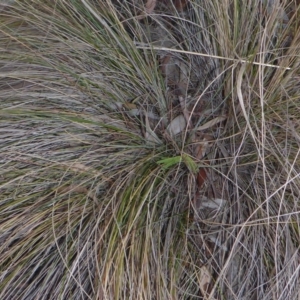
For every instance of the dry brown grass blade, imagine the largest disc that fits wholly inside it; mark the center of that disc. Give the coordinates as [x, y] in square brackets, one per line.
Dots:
[101, 199]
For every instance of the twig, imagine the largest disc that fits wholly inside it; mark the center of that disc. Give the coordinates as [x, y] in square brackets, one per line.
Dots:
[141, 46]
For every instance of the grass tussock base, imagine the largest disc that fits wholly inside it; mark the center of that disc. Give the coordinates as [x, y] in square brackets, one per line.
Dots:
[149, 149]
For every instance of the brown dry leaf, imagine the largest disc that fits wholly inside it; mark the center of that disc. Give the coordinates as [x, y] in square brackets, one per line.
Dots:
[215, 204]
[180, 5]
[200, 150]
[128, 105]
[150, 135]
[205, 279]
[202, 143]
[176, 73]
[149, 8]
[150, 5]
[212, 122]
[201, 177]
[177, 125]
[131, 109]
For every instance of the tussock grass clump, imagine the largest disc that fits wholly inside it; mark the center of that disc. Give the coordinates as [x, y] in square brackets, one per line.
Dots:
[149, 149]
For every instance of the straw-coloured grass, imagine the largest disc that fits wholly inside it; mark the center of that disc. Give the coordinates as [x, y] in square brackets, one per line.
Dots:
[149, 149]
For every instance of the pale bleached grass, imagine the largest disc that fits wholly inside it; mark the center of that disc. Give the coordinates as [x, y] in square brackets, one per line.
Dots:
[91, 209]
